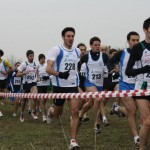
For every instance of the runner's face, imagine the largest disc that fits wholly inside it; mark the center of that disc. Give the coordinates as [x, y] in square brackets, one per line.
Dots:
[83, 50]
[68, 39]
[42, 60]
[117, 69]
[134, 39]
[147, 33]
[30, 58]
[17, 65]
[95, 46]
[112, 54]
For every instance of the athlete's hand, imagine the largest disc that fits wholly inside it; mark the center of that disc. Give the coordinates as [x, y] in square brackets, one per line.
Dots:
[146, 69]
[64, 75]
[38, 79]
[26, 72]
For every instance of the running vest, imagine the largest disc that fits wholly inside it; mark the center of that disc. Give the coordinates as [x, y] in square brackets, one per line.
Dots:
[95, 70]
[2, 68]
[145, 60]
[31, 76]
[123, 65]
[42, 72]
[83, 70]
[66, 60]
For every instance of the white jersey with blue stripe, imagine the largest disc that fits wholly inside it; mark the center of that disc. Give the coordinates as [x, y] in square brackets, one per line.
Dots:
[2, 68]
[95, 70]
[123, 65]
[66, 60]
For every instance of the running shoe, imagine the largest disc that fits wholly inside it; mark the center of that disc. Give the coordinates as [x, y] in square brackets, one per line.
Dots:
[73, 145]
[34, 115]
[137, 144]
[1, 115]
[44, 118]
[97, 129]
[14, 114]
[106, 123]
[112, 110]
[85, 119]
[21, 118]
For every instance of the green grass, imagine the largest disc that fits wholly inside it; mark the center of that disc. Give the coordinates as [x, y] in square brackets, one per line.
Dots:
[35, 135]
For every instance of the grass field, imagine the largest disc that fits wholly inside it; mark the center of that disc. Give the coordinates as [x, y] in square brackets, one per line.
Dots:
[35, 135]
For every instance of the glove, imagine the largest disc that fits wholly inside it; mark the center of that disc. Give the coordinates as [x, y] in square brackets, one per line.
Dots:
[45, 78]
[64, 75]
[145, 69]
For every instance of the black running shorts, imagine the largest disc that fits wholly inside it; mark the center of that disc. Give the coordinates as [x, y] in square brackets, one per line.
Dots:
[60, 102]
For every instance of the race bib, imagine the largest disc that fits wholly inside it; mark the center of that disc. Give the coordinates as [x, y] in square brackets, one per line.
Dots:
[17, 80]
[30, 77]
[96, 76]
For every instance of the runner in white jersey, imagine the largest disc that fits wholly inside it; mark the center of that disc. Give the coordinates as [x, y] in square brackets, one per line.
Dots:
[28, 70]
[43, 79]
[5, 68]
[126, 83]
[62, 63]
[82, 78]
[95, 71]
[141, 53]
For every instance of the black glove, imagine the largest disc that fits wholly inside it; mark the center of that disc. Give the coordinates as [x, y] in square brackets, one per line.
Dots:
[45, 78]
[64, 75]
[145, 69]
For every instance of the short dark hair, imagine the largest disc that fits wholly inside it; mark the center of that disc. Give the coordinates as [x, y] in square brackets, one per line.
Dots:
[81, 44]
[94, 39]
[66, 30]
[29, 52]
[17, 63]
[41, 56]
[146, 24]
[130, 34]
[112, 50]
[1, 52]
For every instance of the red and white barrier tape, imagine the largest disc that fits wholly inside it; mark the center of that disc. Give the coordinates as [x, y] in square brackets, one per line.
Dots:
[103, 94]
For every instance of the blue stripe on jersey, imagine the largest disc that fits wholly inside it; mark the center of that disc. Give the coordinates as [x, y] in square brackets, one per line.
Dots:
[121, 64]
[77, 53]
[59, 59]
[11, 80]
[77, 80]
[87, 72]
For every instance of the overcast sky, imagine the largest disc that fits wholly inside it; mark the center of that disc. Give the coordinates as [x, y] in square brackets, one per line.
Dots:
[37, 24]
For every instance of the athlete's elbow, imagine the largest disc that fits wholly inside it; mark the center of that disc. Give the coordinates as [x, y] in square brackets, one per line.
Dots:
[47, 70]
[128, 72]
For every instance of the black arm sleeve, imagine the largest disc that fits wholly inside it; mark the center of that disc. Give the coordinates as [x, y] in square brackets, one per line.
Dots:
[136, 55]
[115, 75]
[84, 59]
[113, 60]
[105, 58]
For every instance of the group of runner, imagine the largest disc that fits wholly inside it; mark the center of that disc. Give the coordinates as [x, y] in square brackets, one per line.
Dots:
[73, 70]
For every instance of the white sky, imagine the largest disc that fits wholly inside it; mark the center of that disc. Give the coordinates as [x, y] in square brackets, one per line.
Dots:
[37, 24]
